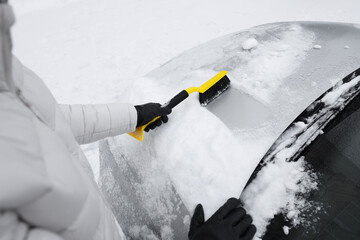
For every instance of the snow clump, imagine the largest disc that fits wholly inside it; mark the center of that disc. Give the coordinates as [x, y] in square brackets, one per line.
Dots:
[250, 44]
[278, 188]
[286, 230]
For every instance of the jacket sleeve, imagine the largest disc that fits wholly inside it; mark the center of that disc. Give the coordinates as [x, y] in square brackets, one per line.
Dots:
[90, 123]
[11, 227]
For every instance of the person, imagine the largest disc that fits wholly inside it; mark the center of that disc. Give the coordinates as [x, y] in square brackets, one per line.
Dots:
[47, 188]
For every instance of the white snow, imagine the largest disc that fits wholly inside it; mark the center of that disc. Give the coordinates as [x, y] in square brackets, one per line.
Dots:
[278, 184]
[94, 51]
[142, 232]
[286, 230]
[206, 154]
[206, 144]
[333, 96]
[249, 44]
[275, 190]
[271, 62]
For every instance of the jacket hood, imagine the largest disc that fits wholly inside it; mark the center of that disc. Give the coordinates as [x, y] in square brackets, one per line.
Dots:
[6, 21]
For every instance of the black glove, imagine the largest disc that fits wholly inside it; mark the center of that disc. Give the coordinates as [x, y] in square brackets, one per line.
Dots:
[230, 222]
[147, 112]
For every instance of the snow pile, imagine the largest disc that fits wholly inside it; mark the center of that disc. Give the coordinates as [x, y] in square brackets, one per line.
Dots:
[279, 187]
[200, 159]
[203, 159]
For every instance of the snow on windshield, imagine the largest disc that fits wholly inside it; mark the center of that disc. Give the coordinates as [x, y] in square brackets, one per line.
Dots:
[279, 187]
[282, 184]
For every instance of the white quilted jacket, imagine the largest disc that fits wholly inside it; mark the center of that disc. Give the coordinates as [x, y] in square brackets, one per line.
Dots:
[47, 190]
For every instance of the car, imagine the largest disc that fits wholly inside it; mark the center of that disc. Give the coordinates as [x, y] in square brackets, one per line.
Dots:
[278, 72]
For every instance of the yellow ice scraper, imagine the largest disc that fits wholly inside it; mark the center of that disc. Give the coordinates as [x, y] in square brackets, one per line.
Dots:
[208, 92]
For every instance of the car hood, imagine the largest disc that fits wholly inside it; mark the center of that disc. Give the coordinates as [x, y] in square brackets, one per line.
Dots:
[208, 154]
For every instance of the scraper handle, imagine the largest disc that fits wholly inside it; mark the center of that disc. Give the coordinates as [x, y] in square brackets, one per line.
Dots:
[181, 96]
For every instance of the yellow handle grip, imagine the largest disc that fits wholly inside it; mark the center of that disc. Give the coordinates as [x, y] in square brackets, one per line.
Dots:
[139, 131]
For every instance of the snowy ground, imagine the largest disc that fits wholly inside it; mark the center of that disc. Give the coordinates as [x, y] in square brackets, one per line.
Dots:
[88, 51]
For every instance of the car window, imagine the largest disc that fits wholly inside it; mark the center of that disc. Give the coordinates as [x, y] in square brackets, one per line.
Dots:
[335, 205]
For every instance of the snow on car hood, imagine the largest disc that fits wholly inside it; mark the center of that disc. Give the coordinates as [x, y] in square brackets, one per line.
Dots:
[208, 154]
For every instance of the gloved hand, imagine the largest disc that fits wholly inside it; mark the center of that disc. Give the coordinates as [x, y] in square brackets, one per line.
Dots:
[230, 222]
[147, 112]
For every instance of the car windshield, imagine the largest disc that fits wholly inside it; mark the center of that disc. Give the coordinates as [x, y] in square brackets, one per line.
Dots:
[335, 157]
